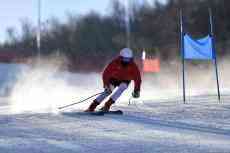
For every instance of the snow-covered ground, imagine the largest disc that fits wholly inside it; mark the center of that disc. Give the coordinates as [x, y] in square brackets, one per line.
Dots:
[147, 126]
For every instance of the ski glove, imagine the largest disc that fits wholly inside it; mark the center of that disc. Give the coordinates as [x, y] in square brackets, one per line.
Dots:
[109, 89]
[136, 94]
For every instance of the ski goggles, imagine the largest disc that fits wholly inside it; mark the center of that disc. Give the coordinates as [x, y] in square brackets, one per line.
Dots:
[127, 60]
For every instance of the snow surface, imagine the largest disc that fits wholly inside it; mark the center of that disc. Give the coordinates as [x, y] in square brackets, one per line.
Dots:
[147, 126]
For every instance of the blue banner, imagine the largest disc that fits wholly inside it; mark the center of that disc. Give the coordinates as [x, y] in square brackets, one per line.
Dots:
[198, 49]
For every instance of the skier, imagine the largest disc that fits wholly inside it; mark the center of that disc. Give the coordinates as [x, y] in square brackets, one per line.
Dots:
[119, 73]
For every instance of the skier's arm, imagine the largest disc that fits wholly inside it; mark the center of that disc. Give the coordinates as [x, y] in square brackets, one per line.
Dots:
[137, 82]
[137, 79]
[106, 75]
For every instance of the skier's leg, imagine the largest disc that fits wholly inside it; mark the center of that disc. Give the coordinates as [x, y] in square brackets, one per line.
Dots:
[121, 88]
[98, 100]
[102, 96]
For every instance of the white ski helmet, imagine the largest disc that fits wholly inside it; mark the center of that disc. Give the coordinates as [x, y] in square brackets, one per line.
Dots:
[126, 53]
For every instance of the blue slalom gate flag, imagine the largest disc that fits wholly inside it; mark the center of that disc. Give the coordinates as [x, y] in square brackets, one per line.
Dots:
[201, 49]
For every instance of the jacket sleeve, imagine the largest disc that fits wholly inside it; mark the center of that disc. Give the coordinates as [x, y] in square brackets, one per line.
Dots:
[106, 74]
[137, 78]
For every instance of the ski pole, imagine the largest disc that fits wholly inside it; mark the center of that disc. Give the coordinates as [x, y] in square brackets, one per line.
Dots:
[130, 100]
[80, 101]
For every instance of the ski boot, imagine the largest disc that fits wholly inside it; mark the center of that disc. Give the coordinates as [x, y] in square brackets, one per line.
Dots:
[92, 106]
[107, 106]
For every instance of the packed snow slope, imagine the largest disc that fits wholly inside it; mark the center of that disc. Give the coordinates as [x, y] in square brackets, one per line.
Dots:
[31, 122]
[146, 127]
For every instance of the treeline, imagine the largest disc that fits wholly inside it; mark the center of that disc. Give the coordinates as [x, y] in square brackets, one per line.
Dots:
[91, 40]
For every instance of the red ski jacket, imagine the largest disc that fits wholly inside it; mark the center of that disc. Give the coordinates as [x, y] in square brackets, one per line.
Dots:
[115, 70]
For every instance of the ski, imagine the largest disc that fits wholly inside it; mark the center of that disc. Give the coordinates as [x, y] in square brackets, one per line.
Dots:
[101, 113]
[95, 113]
[75, 114]
[116, 112]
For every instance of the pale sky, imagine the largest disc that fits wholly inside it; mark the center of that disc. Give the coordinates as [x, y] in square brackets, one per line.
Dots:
[12, 11]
